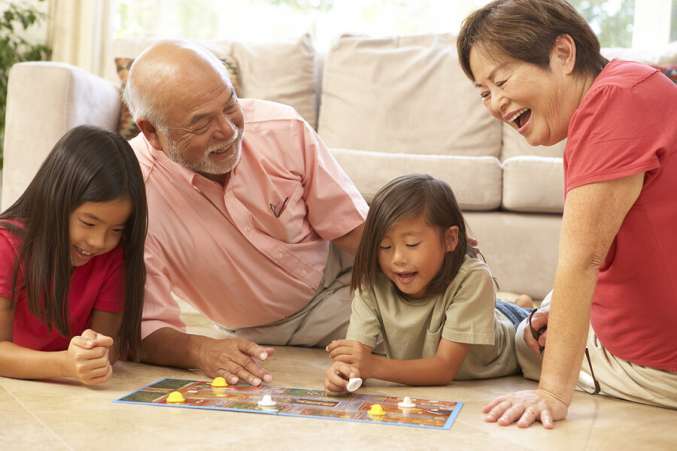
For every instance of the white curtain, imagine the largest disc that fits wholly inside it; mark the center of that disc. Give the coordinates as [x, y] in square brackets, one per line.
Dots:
[80, 33]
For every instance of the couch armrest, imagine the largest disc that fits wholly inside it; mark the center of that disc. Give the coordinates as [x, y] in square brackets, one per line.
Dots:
[44, 100]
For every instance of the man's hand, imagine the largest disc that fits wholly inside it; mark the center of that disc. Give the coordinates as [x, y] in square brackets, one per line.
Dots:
[87, 358]
[234, 359]
[353, 353]
[526, 407]
[539, 322]
[337, 375]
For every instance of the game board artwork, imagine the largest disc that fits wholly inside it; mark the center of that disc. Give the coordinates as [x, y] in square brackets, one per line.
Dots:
[296, 402]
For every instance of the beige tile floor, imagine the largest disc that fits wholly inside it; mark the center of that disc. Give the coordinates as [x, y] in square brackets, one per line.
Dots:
[66, 416]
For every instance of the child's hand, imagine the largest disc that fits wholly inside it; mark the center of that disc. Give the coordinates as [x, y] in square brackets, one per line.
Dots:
[97, 339]
[88, 357]
[353, 353]
[337, 375]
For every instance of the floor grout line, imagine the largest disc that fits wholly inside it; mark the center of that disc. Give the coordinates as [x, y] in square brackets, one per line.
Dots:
[39, 421]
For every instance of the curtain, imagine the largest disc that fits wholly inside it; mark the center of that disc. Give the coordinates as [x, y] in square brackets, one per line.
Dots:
[80, 33]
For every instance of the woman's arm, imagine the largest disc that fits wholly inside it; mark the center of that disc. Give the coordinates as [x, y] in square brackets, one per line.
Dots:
[593, 215]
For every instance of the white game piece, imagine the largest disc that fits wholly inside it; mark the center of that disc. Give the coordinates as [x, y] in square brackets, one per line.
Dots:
[353, 384]
[267, 401]
[406, 403]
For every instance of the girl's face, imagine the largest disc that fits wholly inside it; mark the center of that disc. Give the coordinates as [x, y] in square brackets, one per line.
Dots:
[412, 252]
[96, 228]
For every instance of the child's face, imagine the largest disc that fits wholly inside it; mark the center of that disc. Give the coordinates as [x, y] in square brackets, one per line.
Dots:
[96, 228]
[412, 252]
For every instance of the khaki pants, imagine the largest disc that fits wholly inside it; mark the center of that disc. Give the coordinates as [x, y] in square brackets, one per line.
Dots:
[323, 319]
[616, 377]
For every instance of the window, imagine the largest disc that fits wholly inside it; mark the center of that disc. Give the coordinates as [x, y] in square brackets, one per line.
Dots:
[618, 23]
[673, 22]
[612, 21]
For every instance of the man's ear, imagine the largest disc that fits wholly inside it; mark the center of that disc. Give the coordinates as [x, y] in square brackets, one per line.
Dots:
[150, 132]
[563, 54]
[451, 238]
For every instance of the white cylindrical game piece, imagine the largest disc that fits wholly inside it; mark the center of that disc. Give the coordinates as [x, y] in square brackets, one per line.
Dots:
[406, 403]
[267, 401]
[353, 384]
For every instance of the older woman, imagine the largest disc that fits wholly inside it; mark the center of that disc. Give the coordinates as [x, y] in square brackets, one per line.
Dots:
[538, 68]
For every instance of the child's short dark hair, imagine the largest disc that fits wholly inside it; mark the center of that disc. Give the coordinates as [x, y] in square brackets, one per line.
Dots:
[88, 164]
[404, 197]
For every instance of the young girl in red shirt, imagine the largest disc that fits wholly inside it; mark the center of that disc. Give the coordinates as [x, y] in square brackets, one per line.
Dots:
[71, 262]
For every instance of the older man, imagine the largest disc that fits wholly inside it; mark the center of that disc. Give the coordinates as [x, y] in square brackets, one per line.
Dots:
[244, 204]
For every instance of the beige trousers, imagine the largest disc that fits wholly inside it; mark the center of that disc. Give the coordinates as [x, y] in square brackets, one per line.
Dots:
[323, 319]
[616, 377]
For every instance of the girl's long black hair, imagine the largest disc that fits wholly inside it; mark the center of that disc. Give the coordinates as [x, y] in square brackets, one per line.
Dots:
[88, 164]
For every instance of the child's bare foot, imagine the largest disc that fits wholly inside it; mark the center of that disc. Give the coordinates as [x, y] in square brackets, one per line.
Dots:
[525, 301]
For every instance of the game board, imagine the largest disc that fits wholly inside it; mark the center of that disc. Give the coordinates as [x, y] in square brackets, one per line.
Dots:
[297, 402]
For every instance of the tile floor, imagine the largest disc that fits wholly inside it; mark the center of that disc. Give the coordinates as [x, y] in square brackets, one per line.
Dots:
[66, 416]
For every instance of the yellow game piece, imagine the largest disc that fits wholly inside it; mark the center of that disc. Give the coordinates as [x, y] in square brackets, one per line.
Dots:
[219, 382]
[175, 397]
[376, 410]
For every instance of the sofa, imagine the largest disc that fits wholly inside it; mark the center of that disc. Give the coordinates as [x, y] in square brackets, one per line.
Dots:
[384, 106]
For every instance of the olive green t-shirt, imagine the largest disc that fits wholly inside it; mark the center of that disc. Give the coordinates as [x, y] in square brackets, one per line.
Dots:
[465, 313]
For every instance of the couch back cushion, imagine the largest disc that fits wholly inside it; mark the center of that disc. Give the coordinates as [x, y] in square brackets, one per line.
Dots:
[403, 94]
[476, 181]
[281, 72]
[515, 145]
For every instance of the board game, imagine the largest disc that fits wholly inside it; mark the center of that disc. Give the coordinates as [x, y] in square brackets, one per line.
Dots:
[296, 402]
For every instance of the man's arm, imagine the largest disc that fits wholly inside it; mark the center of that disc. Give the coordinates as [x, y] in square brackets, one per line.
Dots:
[232, 358]
[350, 241]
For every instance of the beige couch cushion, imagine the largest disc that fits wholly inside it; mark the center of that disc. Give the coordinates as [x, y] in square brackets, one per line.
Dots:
[282, 71]
[533, 184]
[476, 181]
[403, 94]
[514, 145]
[521, 249]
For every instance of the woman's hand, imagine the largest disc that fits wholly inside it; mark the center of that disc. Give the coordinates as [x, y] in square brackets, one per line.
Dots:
[87, 358]
[526, 407]
[536, 334]
[353, 353]
[337, 375]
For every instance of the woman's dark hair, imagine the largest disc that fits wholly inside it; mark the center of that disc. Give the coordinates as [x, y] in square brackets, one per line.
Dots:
[87, 164]
[407, 197]
[526, 30]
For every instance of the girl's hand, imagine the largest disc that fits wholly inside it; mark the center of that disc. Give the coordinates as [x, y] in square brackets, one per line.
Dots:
[88, 358]
[525, 407]
[353, 353]
[337, 375]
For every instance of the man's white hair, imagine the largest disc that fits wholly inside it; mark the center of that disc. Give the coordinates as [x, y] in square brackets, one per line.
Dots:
[140, 106]
[144, 106]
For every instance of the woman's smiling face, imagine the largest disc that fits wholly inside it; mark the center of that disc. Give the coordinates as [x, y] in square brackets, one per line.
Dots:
[527, 97]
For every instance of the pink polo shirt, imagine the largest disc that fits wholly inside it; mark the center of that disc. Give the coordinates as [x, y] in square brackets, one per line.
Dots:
[254, 252]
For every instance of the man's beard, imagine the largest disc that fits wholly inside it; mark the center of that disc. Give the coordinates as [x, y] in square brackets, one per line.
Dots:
[204, 165]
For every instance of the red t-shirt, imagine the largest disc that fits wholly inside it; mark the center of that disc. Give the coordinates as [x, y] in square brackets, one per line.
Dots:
[625, 125]
[97, 285]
